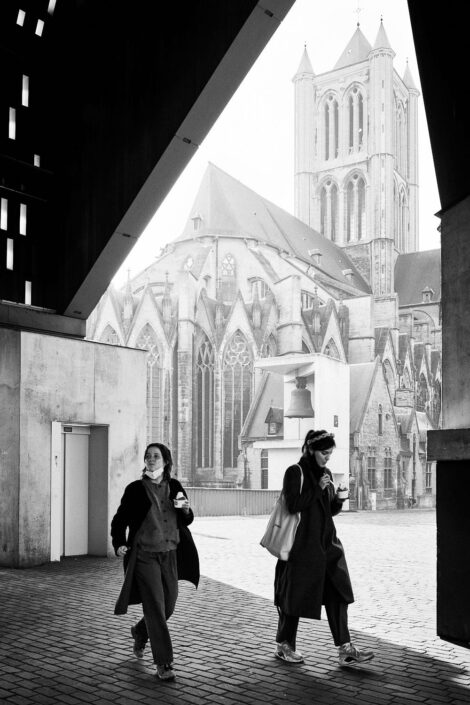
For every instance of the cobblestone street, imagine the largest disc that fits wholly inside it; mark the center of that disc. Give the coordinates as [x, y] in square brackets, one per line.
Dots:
[61, 643]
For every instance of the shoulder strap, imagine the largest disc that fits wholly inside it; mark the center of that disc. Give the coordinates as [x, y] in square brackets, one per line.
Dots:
[301, 477]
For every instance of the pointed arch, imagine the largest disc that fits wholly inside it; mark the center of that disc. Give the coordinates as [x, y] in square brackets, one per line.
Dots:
[331, 349]
[329, 209]
[354, 102]
[110, 336]
[238, 378]
[330, 135]
[204, 403]
[355, 206]
[147, 340]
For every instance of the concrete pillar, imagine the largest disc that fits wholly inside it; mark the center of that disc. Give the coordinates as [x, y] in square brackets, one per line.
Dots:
[450, 447]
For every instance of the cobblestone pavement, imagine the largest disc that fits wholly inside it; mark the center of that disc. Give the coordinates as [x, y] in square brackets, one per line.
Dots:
[61, 644]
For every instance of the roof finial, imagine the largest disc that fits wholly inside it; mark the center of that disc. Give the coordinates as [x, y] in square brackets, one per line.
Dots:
[358, 12]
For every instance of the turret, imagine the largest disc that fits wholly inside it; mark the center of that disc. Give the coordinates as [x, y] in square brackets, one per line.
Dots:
[304, 138]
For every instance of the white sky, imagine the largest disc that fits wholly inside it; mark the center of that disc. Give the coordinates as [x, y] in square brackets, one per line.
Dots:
[253, 139]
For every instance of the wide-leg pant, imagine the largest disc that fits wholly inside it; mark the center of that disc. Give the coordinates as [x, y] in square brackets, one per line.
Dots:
[157, 579]
[336, 612]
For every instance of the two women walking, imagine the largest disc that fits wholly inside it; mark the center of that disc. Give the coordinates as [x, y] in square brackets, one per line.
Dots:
[150, 529]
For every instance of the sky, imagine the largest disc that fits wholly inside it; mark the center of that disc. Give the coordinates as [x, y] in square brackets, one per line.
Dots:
[253, 138]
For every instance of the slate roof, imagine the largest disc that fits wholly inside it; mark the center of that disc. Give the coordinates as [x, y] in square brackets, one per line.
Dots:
[413, 272]
[357, 49]
[230, 208]
[361, 379]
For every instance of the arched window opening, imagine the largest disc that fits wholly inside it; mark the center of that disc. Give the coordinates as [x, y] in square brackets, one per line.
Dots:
[327, 130]
[238, 373]
[361, 208]
[147, 340]
[334, 212]
[349, 211]
[336, 129]
[205, 362]
[228, 279]
[360, 129]
[331, 349]
[323, 211]
[109, 336]
[380, 420]
[351, 124]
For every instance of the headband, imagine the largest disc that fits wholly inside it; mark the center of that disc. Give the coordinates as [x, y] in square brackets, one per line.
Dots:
[321, 437]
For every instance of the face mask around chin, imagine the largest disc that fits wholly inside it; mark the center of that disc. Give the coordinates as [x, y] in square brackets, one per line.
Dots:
[153, 474]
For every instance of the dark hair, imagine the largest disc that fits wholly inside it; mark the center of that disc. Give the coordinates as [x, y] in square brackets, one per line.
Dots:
[318, 440]
[167, 459]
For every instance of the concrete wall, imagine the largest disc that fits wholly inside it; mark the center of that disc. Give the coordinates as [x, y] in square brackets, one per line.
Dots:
[70, 381]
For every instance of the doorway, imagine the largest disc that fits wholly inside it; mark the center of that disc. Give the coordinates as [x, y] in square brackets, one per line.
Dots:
[79, 490]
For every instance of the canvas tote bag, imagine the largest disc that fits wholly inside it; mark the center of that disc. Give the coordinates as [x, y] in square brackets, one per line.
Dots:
[280, 531]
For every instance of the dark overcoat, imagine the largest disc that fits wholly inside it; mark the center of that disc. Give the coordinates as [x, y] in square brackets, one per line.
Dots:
[125, 525]
[317, 552]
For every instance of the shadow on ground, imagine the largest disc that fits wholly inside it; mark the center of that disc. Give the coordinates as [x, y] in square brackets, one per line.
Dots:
[62, 644]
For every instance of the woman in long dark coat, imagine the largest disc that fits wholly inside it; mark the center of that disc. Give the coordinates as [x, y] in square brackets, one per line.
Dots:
[150, 530]
[316, 572]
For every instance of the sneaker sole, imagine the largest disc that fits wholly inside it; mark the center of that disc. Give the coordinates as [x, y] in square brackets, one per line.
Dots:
[356, 662]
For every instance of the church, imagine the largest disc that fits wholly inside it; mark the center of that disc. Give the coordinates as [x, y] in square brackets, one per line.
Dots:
[342, 279]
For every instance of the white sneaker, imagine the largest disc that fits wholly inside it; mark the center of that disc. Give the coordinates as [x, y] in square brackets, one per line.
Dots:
[285, 652]
[349, 655]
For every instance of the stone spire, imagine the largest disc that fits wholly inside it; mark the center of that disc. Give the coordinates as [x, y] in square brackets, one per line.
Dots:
[305, 67]
[381, 41]
[408, 78]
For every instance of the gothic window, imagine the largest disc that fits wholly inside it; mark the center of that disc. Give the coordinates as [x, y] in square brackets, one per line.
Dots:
[238, 373]
[350, 212]
[109, 336]
[205, 404]
[269, 347]
[355, 107]
[422, 394]
[329, 210]
[331, 350]
[388, 472]
[228, 278]
[331, 131]
[381, 422]
[147, 340]
[355, 208]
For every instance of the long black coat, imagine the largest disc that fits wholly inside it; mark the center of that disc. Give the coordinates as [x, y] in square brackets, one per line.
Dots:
[317, 552]
[125, 524]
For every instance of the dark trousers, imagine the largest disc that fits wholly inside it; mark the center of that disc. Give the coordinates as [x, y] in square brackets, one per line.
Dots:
[157, 579]
[336, 612]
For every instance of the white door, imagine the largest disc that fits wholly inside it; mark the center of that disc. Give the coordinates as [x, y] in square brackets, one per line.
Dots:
[75, 506]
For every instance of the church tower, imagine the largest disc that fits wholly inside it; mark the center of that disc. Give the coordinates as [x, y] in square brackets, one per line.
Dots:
[356, 157]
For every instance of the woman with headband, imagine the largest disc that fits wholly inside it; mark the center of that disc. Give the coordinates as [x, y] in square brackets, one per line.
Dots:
[316, 572]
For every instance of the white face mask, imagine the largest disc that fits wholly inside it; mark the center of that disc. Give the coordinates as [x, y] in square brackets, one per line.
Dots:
[154, 474]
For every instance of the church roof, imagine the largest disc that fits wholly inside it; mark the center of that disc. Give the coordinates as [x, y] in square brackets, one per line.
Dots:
[413, 272]
[361, 378]
[228, 207]
[381, 41]
[357, 49]
[305, 65]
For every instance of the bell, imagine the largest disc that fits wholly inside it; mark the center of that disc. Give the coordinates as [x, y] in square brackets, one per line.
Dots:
[300, 401]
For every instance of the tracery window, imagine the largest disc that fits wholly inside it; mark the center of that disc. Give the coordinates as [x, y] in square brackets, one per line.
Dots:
[331, 128]
[356, 120]
[238, 373]
[205, 363]
[147, 340]
[355, 208]
[228, 278]
[329, 210]
[109, 336]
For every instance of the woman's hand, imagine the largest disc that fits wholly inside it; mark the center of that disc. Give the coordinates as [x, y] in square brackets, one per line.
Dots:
[185, 506]
[122, 550]
[324, 481]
